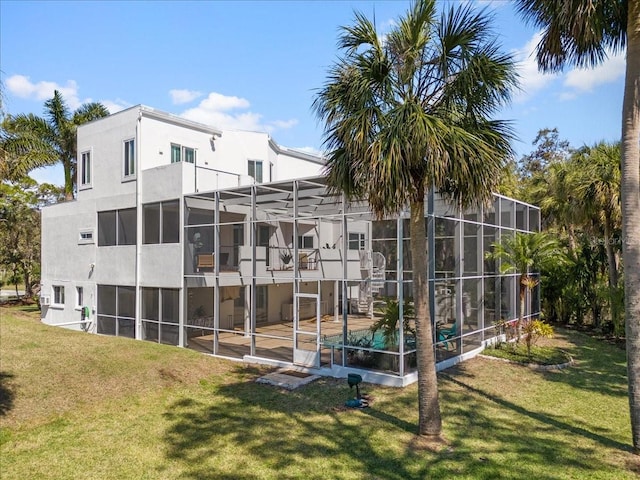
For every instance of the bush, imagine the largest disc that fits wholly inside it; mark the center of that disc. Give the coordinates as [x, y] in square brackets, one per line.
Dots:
[534, 330]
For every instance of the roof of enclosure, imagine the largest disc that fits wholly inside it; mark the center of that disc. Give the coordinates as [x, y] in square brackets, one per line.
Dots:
[313, 198]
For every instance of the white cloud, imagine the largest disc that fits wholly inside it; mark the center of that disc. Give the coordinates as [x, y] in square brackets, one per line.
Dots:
[178, 97]
[21, 86]
[284, 124]
[531, 80]
[586, 79]
[222, 103]
[220, 111]
[115, 105]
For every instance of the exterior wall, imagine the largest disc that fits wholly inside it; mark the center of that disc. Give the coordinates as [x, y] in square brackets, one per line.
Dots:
[65, 262]
[105, 140]
[221, 161]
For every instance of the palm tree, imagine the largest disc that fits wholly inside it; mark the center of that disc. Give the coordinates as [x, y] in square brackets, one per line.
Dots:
[554, 190]
[598, 187]
[408, 112]
[29, 141]
[580, 33]
[521, 253]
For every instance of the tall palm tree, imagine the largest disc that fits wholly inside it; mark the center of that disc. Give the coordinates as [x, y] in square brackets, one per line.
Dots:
[28, 141]
[598, 187]
[579, 32]
[408, 112]
[521, 253]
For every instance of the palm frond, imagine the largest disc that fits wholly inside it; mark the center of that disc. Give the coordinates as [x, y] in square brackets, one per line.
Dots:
[576, 32]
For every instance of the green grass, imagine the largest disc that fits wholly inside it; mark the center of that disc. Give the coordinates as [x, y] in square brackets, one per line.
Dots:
[548, 355]
[89, 407]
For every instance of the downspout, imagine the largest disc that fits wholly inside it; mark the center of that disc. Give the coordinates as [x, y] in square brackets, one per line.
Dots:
[138, 224]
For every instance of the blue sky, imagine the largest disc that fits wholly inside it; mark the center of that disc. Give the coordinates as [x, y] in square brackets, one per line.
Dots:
[255, 65]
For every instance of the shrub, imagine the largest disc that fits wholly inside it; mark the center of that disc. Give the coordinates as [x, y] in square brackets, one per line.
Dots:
[534, 330]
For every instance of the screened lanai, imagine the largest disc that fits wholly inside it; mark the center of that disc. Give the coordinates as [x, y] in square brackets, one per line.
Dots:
[289, 274]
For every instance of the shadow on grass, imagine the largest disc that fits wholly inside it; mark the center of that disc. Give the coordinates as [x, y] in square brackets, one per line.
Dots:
[6, 393]
[541, 417]
[244, 430]
[599, 367]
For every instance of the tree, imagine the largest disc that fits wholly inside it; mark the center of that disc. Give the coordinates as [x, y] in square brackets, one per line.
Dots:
[520, 253]
[20, 228]
[598, 187]
[581, 33]
[28, 141]
[411, 111]
[549, 149]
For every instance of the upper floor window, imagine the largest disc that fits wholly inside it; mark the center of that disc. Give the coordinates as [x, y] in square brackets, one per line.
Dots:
[357, 241]
[117, 227]
[85, 168]
[255, 170]
[129, 158]
[161, 222]
[85, 236]
[181, 153]
[305, 241]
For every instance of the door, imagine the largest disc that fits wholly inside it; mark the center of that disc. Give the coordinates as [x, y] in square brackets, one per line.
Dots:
[306, 330]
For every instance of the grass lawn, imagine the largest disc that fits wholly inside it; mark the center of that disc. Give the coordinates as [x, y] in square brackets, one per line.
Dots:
[79, 406]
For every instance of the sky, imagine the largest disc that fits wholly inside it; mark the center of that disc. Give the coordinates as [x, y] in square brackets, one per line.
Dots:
[257, 65]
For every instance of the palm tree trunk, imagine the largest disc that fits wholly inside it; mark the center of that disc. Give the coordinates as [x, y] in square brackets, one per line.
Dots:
[68, 180]
[613, 272]
[523, 295]
[572, 240]
[611, 257]
[630, 187]
[429, 421]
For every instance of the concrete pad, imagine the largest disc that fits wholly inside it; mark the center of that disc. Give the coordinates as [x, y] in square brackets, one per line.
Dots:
[288, 378]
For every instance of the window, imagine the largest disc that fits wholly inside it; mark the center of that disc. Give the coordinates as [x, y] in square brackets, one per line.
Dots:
[261, 296]
[357, 241]
[116, 310]
[129, 158]
[189, 155]
[58, 295]
[85, 237]
[160, 315]
[151, 223]
[180, 153]
[161, 222]
[117, 227]
[255, 170]
[79, 296]
[85, 168]
[305, 241]
[176, 153]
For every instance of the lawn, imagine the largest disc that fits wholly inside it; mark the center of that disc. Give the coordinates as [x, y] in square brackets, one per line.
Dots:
[83, 406]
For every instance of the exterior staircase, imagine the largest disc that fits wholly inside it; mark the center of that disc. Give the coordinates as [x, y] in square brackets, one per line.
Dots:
[372, 267]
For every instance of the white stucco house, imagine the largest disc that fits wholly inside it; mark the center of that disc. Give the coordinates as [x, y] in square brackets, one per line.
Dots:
[230, 244]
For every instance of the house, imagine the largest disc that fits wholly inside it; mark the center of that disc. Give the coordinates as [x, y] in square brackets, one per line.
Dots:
[229, 244]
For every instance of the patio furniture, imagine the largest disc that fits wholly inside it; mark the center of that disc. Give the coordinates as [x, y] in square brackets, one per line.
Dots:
[205, 260]
[445, 335]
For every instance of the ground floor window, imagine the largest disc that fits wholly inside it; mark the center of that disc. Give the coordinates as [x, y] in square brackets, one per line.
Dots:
[160, 315]
[58, 295]
[79, 296]
[116, 310]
